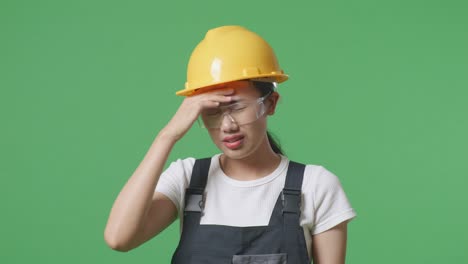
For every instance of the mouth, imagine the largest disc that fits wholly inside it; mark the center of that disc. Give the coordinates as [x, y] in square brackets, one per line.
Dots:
[233, 142]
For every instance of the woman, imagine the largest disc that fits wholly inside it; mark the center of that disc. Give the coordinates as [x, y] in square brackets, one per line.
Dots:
[248, 204]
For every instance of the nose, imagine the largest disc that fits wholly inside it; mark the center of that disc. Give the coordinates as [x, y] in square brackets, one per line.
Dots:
[228, 124]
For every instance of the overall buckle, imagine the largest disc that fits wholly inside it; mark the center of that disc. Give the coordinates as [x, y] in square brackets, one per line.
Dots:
[291, 200]
[194, 200]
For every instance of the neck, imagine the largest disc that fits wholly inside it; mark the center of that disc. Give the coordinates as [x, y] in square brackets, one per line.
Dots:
[254, 166]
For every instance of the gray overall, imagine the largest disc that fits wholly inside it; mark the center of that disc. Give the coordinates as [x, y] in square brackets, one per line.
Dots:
[281, 242]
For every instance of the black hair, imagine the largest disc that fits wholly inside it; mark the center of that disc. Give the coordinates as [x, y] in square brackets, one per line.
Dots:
[267, 88]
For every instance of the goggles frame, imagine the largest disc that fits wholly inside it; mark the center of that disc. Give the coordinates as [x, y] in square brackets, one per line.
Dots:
[226, 110]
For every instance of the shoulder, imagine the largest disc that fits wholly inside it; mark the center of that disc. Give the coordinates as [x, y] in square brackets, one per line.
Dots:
[181, 166]
[321, 176]
[184, 166]
[183, 162]
[317, 176]
[325, 201]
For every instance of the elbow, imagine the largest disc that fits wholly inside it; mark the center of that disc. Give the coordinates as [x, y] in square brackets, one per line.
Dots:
[115, 243]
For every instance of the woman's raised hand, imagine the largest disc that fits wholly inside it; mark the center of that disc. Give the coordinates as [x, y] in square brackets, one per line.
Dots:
[191, 108]
[139, 212]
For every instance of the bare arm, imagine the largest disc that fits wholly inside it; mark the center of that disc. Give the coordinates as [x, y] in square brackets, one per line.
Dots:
[139, 213]
[329, 247]
[130, 209]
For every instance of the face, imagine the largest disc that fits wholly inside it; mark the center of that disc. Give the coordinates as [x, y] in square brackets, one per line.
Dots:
[240, 133]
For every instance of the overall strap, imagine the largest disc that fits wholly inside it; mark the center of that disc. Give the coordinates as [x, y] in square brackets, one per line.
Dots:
[291, 197]
[194, 194]
[193, 208]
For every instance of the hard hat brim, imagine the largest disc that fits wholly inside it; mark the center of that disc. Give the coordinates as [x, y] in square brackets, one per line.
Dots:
[278, 78]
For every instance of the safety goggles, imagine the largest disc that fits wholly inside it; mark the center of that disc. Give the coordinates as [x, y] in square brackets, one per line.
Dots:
[240, 113]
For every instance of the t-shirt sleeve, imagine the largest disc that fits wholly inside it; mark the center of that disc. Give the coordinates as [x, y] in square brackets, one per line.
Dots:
[174, 180]
[332, 207]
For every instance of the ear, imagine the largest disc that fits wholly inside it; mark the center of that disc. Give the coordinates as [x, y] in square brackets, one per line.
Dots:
[272, 102]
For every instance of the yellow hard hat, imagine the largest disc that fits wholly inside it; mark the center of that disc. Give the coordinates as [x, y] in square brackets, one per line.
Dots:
[230, 53]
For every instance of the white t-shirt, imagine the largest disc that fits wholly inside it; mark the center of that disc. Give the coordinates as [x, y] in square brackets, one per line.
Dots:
[250, 203]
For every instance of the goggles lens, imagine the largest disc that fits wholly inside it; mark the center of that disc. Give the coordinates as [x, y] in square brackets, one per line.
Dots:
[241, 113]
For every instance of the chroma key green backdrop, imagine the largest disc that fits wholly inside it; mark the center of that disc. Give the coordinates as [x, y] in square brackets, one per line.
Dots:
[377, 94]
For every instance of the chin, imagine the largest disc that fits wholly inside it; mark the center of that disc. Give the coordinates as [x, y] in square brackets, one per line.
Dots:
[239, 153]
[235, 156]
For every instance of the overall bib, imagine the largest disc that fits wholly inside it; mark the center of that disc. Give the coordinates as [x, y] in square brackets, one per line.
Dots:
[280, 242]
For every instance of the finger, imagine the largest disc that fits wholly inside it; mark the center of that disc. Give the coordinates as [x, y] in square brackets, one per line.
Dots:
[221, 98]
[217, 92]
[224, 91]
[210, 104]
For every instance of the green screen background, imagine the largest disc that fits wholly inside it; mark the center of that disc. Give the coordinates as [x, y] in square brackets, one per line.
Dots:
[377, 95]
